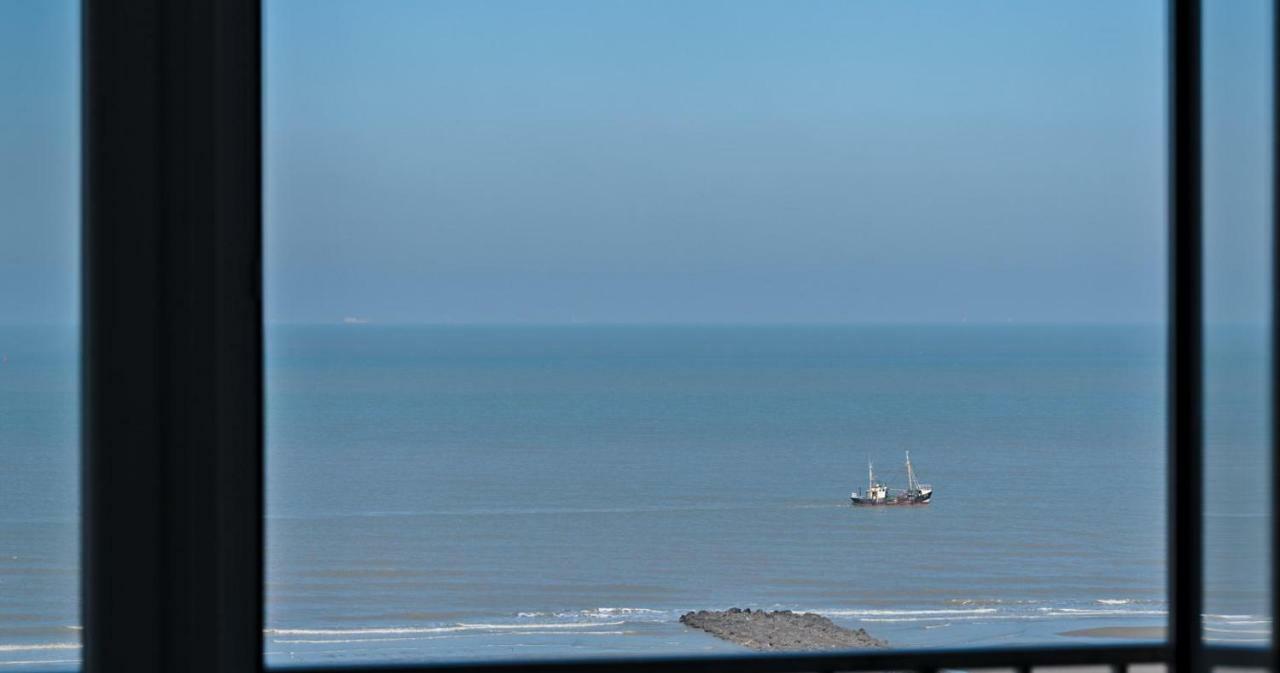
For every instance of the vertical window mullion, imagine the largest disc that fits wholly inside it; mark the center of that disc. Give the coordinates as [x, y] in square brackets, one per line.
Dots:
[1185, 371]
[172, 342]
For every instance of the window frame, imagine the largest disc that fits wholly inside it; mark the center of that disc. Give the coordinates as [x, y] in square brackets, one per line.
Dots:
[172, 366]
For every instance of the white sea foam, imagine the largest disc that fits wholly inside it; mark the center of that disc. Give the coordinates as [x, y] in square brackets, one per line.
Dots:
[38, 662]
[1099, 612]
[410, 630]
[1114, 601]
[906, 613]
[1242, 631]
[632, 614]
[353, 641]
[619, 612]
[991, 614]
[39, 646]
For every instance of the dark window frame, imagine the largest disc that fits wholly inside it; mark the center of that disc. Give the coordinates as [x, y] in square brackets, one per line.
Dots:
[172, 389]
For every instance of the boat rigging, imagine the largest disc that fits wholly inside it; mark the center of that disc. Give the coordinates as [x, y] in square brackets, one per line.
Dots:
[879, 494]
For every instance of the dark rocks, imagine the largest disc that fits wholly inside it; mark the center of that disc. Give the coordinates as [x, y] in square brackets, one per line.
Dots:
[783, 630]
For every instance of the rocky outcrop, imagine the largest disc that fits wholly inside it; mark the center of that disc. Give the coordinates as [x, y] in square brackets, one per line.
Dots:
[782, 630]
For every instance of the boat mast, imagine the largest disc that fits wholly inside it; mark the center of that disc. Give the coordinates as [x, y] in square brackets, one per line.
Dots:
[911, 475]
[871, 480]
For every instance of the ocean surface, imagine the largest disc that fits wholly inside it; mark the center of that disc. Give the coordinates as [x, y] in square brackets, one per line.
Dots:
[444, 493]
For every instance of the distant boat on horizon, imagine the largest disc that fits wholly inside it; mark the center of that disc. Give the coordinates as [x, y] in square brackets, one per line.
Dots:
[878, 494]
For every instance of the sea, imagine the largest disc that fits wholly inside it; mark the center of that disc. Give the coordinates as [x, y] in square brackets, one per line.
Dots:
[442, 493]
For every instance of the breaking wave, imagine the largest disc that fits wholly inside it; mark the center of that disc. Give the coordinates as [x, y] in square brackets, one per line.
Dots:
[39, 646]
[979, 610]
[901, 613]
[330, 641]
[415, 630]
[601, 621]
[643, 614]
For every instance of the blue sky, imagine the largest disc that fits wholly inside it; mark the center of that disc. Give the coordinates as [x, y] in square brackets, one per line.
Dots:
[709, 161]
[39, 161]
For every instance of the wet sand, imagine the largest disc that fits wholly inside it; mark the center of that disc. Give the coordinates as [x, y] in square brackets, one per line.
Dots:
[1125, 632]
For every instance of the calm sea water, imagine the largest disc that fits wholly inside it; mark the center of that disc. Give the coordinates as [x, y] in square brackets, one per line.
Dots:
[489, 492]
[39, 499]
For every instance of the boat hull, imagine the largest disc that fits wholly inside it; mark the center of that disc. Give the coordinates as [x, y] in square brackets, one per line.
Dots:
[896, 501]
[878, 494]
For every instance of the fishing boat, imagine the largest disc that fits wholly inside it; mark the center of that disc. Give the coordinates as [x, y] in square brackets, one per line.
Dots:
[878, 494]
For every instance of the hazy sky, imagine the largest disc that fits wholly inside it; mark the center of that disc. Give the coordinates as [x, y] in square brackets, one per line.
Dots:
[677, 161]
[39, 161]
[689, 161]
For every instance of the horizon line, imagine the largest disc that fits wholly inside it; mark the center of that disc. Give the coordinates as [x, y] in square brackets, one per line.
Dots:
[370, 322]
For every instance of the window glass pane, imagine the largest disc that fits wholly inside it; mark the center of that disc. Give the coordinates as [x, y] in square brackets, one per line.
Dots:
[1237, 179]
[586, 314]
[39, 258]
